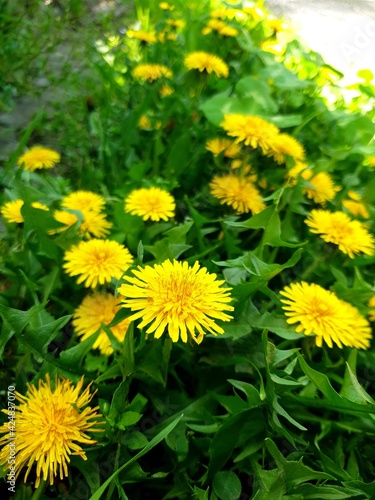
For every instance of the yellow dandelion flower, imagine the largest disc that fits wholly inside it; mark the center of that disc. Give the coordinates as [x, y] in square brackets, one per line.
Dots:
[144, 122]
[203, 61]
[228, 31]
[273, 47]
[143, 36]
[351, 236]
[226, 13]
[176, 23]
[51, 424]
[223, 145]
[39, 206]
[255, 12]
[38, 157]
[178, 298]
[356, 208]
[11, 211]
[252, 130]
[284, 144]
[372, 310]
[277, 25]
[94, 310]
[150, 203]
[295, 171]
[237, 192]
[323, 189]
[321, 313]
[84, 201]
[165, 6]
[165, 90]
[370, 161]
[151, 72]
[97, 261]
[93, 224]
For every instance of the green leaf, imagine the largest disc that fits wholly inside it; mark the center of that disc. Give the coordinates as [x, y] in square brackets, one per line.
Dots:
[155, 441]
[268, 220]
[128, 419]
[226, 485]
[252, 394]
[351, 388]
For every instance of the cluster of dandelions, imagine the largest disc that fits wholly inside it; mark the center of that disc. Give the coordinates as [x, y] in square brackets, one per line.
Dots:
[320, 312]
[52, 422]
[259, 133]
[89, 206]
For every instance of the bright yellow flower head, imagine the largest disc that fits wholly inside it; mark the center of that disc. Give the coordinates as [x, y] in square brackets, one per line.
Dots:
[225, 13]
[372, 310]
[176, 23]
[298, 168]
[284, 144]
[223, 145]
[370, 161]
[97, 261]
[238, 192]
[356, 208]
[11, 211]
[151, 72]
[38, 157]
[143, 36]
[50, 425]
[144, 123]
[252, 130]
[166, 6]
[96, 309]
[165, 90]
[150, 203]
[178, 298]
[220, 27]
[274, 47]
[324, 188]
[351, 236]
[83, 200]
[203, 61]
[321, 313]
[94, 223]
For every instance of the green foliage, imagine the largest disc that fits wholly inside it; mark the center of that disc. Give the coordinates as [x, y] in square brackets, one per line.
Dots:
[258, 410]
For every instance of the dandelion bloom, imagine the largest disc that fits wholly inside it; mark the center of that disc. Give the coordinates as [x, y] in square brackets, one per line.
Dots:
[97, 261]
[94, 310]
[93, 224]
[143, 36]
[321, 313]
[351, 236]
[203, 61]
[144, 123]
[176, 23]
[151, 72]
[252, 130]
[38, 157]
[83, 200]
[166, 6]
[371, 304]
[51, 424]
[178, 298]
[150, 203]
[285, 144]
[165, 90]
[220, 27]
[223, 145]
[323, 189]
[355, 205]
[11, 210]
[238, 192]
[295, 171]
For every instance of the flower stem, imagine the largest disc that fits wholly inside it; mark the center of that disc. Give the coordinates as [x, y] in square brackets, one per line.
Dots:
[39, 491]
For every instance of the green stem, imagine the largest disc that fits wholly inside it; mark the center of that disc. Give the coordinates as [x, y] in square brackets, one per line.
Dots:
[39, 491]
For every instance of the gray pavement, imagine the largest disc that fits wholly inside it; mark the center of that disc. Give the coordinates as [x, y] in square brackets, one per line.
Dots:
[343, 31]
